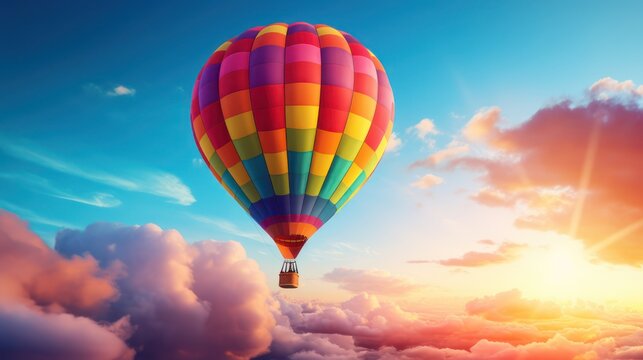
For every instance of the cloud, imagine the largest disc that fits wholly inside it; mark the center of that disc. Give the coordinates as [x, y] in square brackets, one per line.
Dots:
[424, 128]
[454, 149]
[30, 271]
[41, 294]
[608, 87]
[152, 182]
[486, 242]
[427, 181]
[482, 124]
[164, 298]
[114, 289]
[214, 297]
[575, 170]
[510, 305]
[27, 333]
[103, 200]
[365, 327]
[229, 228]
[121, 90]
[374, 324]
[372, 281]
[418, 261]
[505, 252]
[394, 143]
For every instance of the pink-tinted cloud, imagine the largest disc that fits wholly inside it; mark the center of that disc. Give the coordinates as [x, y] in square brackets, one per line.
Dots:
[207, 300]
[573, 169]
[29, 333]
[505, 252]
[424, 128]
[427, 181]
[373, 324]
[33, 273]
[367, 328]
[510, 305]
[372, 281]
[486, 242]
[111, 290]
[453, 150]
[482, 125]
[41, 296]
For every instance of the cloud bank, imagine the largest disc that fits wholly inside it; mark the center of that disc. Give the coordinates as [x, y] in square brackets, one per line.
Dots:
[118, 292]
[133, 289]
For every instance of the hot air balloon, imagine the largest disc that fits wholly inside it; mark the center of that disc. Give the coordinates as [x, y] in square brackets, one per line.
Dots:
[292, 119]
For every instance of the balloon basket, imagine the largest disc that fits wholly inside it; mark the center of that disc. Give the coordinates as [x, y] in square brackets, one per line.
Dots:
[289, 276]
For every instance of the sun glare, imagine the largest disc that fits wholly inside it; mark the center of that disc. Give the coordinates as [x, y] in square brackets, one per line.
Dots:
[563, 270]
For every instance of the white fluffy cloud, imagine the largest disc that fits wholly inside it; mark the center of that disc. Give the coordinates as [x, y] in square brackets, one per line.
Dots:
[121, 90]
[608, 87]
[425, 128]
[394, 143]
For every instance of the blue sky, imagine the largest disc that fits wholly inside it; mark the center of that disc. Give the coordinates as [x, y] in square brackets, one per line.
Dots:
[73, 151]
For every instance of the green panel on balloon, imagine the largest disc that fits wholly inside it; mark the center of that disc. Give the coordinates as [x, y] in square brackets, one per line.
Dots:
[300, 139]
[248, 146]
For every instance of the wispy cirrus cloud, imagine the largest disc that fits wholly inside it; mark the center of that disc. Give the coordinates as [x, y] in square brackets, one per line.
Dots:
[152, 182]
[99, 199]
[229, 227]
[504, 253]
[35, 218]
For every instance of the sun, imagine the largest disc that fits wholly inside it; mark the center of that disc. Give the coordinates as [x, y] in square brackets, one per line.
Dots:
[561, 270]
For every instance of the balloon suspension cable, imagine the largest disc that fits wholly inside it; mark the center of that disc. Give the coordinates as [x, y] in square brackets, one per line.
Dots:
[289, 266]
[289, 275]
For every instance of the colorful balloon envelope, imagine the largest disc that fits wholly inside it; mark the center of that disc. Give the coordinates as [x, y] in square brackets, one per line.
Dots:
[292, 120]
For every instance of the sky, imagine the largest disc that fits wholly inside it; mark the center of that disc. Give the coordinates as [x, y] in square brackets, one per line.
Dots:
[508, 198]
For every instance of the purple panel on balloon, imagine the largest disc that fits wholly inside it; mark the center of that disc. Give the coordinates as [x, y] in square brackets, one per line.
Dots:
[301, 27]
[209, 85]
[266, 74]
[334, 55]
[335, 74]
[267, 54]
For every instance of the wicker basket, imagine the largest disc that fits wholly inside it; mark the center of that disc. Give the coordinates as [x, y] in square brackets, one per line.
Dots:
[289, 280]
